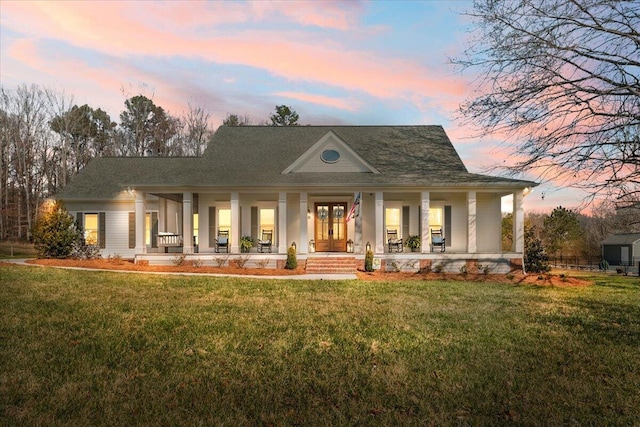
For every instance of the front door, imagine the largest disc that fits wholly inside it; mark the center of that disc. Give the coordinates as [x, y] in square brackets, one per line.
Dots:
[331, 227]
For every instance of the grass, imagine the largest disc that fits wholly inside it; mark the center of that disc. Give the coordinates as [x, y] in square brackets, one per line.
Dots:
[100, 348]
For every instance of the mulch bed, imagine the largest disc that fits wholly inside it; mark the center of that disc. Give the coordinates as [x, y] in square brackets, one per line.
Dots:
[513, 278]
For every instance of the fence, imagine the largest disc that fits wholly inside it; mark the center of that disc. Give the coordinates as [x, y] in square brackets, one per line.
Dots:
[589, 263]
[575, 262]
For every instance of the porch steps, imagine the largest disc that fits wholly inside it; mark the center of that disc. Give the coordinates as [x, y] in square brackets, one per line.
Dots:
[331, 265]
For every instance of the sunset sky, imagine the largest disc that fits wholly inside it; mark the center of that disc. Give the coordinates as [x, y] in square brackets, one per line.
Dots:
[356, 63]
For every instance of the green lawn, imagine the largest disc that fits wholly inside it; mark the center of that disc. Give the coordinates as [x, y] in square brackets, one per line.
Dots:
[96, 348]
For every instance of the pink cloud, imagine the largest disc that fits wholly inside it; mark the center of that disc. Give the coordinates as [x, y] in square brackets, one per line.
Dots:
[342, 104]
[122, 31]
[326, 14]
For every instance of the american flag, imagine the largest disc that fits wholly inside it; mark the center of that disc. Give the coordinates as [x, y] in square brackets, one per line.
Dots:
[355, 209]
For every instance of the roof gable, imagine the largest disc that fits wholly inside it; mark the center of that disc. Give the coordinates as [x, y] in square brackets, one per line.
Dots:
[330, 154]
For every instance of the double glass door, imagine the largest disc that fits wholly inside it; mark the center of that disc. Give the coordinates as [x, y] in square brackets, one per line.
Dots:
[331, 227]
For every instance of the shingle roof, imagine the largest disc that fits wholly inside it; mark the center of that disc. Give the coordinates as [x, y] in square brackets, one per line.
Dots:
[622, 239]
[256, 156]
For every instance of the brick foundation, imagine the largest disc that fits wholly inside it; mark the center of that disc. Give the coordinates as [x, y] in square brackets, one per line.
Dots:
[472, 266]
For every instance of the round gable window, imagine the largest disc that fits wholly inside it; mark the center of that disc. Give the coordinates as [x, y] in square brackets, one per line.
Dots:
[330, 156]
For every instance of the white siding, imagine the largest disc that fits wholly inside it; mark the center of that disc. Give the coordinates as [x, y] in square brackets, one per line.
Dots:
[489, 220]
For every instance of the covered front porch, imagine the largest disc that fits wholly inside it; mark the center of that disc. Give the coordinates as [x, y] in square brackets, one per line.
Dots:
[328, 224]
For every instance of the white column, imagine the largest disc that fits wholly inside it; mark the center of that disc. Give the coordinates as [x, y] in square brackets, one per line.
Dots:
[380, 233]
[162, 214]
[187, 223]
[234, 244]
[472, 245]
[425, 237]
[141, 211]
[303, 246]
[358, 247]
[282, 223]
[518, 222]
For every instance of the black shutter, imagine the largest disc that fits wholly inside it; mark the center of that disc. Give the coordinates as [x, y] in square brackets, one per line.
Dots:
[102, 230]
[154, 229]
[132, 230]
[212, 227]
[447, 225]
[254, 224]
[405, 222]
[80, 224]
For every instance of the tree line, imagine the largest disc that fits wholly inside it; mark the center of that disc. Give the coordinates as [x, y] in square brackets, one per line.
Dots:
[568, 235]
[46, 139]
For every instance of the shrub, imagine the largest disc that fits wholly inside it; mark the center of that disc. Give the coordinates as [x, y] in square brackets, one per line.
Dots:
[115, 259]
[241, 261]
[425, 270]
[179, 260]
[484, 268]
[439, 268]
[604, 265]
[535, 259]
[81, 251]
[246, 243]
[464, 270]
[368, 261]
[292, 261]
[55, 232]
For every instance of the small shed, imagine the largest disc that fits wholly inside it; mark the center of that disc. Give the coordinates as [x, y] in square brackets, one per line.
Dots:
[621, 249]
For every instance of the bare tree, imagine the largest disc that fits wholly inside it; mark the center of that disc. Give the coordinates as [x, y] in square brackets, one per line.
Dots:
[236, 120]
[27, 155]
[197, 131]
[560, 80]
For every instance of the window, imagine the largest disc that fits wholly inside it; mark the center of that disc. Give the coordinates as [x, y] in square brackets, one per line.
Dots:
[196, 220]
[147, 228]
[267, 220]
[93, 226]
[436, 218]
[91, 229]
[392, 219]
[330, 156]
[224, 220]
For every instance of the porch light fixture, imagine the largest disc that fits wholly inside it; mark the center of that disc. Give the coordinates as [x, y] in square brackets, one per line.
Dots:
[527, 191]
[350, 246]
[293, 245]
[312, 245]
[308, 213]
[368, 246]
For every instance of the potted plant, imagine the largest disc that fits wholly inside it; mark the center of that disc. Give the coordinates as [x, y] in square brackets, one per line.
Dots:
[246, 243]
[413, 242]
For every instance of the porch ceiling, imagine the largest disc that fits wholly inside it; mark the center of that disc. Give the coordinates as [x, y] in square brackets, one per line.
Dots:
[176, 197]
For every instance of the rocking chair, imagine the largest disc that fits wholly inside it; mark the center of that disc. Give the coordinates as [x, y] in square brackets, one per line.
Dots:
[266, 241]
[222, 242]
[393, 242]
[437, 239]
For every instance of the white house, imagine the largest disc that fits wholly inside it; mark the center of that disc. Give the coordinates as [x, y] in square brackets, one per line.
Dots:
[300, 183]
